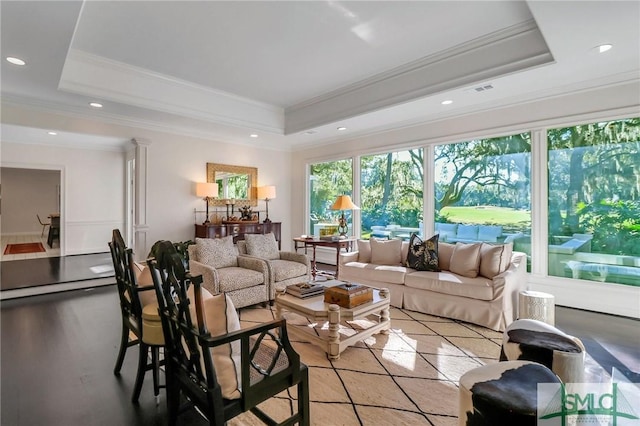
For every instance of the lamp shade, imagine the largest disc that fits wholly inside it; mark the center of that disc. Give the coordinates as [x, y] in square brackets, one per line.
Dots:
[266, 192]
[344, 203]
[206, 190]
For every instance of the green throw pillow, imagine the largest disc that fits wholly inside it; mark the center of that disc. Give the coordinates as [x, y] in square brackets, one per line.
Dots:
[423, 255]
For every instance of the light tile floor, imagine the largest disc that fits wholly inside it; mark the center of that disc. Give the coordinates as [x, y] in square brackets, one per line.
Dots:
[19, 239]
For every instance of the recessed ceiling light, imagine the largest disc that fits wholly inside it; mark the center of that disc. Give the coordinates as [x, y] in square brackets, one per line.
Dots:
[52, 133]
[15, 61]
[604, 47]
[95, 104]
[253, 135]
[447, 102]
[342, 128]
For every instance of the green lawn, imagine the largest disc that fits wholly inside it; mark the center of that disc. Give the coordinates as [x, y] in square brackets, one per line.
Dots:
[489, 215]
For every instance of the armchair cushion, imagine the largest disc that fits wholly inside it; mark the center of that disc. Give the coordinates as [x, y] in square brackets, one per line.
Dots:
[286, 269]
[217, 252]
[262, 246]
[236, 278]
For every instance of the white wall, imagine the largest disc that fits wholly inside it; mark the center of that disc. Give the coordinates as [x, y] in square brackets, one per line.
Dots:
[95, 179]
[92, 183]
[25, 194]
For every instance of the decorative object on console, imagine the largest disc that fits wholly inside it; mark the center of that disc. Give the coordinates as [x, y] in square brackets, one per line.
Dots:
[207, 191]
[343, 202]
[423, 255]
[267, 193]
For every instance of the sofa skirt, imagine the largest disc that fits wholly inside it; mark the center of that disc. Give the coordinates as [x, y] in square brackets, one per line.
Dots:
[490, 314]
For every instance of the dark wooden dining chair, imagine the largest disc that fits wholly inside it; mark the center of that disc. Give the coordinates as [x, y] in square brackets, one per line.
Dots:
[44, 224]
[199, 365]
[135, 317]
[54, 231]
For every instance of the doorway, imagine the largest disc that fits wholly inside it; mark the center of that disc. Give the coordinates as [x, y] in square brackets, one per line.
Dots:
[30, 199]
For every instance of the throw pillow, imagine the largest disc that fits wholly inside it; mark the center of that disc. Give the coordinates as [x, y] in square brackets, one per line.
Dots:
[217, 252]
[386, 252]
[364, 251]
[221, 318]
[491, 260]
[423, 255]
[262, 246]
[445, 251]
[465, 259]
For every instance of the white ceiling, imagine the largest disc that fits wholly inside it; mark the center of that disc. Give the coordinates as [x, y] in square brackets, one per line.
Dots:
[282, 70]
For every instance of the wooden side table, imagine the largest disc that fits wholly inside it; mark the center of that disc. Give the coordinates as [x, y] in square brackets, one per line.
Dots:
[315, 242]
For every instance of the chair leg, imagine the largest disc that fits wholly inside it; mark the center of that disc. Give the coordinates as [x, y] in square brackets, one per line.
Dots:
[155, 363]
[173, 397]
[124, 340]
[303, 398]
[142, 368]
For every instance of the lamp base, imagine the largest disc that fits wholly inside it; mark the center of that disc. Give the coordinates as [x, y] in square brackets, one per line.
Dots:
[267, 220]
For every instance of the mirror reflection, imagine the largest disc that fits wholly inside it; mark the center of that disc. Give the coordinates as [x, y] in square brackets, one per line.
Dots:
[235, 183]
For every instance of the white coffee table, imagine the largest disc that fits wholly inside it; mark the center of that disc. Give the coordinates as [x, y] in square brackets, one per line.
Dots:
[374, 316]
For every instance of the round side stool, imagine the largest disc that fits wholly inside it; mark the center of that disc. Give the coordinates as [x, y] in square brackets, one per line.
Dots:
[533, 340]
[537, 305]
[504, 393]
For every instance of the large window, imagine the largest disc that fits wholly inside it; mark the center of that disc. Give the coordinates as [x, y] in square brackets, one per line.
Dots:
[594, 201]
[482, 191]
[328, 181]
[391, 187]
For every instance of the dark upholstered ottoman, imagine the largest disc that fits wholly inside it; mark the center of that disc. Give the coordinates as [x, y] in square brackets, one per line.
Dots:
[504, 393]
[533, 340]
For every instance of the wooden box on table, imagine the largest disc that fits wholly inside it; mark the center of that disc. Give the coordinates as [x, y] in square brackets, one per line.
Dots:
[348, 295]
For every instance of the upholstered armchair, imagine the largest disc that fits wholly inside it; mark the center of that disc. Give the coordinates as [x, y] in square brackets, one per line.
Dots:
[244, 279]
[285, 268]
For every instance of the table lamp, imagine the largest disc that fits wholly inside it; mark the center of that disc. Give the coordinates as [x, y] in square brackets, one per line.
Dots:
[206, 191]
[343, 203]
[267, 193]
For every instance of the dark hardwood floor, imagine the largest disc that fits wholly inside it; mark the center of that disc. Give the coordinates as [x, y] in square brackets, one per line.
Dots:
[58, 351]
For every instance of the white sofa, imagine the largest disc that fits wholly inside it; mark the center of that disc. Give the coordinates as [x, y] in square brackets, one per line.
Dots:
[489, 302]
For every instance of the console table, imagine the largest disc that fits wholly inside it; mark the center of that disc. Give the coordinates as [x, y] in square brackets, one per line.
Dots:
[313, 242]
[238, 230]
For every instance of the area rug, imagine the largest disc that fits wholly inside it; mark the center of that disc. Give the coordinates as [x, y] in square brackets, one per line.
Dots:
[24, 248]
[408, 377]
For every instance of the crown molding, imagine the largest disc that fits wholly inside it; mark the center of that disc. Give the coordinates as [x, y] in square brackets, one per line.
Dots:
[9, 101]
[511, 50]
[100, 77]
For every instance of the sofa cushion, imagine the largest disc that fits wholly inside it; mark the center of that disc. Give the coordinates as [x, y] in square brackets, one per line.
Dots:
[494, 259]
[364, 251]
[489, 233]
[370, 272]
[465, 259]
[446, 230]
[423, 255]
[285, 269]
[445, 251]
[387, 252]
[262, 246]
[217, 252]
[446, 282]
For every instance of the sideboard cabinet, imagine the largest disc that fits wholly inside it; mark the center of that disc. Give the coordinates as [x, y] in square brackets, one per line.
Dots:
[238, 230]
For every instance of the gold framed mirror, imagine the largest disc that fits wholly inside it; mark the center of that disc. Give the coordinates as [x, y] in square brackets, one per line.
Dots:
[234, 183]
